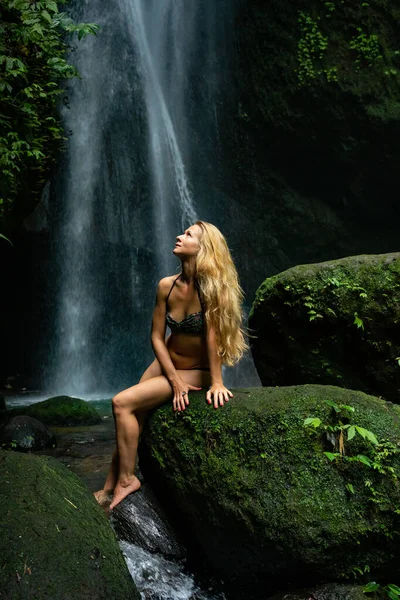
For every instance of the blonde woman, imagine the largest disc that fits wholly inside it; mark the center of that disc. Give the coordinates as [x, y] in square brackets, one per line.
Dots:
[202, 308]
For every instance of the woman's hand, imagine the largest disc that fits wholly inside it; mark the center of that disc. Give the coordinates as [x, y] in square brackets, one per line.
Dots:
[181, 393]
[219, 394]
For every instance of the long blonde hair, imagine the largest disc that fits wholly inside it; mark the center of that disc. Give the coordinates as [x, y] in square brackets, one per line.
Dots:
[221, 292]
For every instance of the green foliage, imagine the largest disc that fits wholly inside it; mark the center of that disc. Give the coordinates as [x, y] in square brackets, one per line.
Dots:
[390, 590]
[319, 56]
[366, 47]
[33, 43]
[310, 49]
[377, 457]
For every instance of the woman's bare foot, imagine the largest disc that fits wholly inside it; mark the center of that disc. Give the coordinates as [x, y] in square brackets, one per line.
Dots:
[123, 489]
[103, 497]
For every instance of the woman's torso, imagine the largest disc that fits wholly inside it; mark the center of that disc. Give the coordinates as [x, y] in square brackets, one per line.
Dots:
[185, 317]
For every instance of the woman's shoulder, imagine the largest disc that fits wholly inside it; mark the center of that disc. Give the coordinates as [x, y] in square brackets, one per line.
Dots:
[164, 285]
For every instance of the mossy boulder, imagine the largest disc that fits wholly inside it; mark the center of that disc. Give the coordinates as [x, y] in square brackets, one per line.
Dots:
[26, 434]
[55, 541]
[336, 322]
[257, 499]
[62, 411]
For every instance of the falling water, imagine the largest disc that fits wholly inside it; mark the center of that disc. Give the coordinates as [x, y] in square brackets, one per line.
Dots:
[143, 137]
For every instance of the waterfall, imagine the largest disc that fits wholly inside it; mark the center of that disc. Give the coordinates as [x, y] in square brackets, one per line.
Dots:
[139, 166]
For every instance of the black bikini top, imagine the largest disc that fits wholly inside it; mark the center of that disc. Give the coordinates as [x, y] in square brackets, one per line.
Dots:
[193, 323]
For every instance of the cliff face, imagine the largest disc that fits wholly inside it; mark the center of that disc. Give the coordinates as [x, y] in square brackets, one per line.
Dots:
[314, 138]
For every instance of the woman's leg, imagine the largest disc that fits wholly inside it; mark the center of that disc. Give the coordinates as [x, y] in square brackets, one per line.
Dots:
[103, 495]
[141, 397]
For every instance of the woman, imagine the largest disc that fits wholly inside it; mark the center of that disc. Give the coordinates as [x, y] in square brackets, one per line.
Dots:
[202, 308]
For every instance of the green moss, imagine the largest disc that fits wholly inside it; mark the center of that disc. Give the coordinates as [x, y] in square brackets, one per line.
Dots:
[55, 541]
[249, 475]
[62, 411]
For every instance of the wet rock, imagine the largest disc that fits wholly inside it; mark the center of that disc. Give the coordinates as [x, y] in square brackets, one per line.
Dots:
[140, 519]
[62, 411]
[331, 591]
[26, 434]
[55, 541]
[335, 323]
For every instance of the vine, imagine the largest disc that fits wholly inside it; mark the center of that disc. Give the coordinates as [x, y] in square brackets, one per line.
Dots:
[33, 42]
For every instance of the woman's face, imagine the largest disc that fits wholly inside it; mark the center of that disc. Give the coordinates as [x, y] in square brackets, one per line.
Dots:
[188, 243]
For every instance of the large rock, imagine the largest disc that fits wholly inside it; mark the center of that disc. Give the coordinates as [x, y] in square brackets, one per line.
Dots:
[258, 501]
[62, 411]
[26, 434]
[336, 322]
[55, 541]
[139, 519]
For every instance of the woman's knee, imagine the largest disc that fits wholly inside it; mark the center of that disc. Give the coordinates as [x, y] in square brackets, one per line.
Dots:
[123, 402]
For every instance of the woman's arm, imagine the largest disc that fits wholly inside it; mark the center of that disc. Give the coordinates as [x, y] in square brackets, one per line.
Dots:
[158, 329]
[217, 392]
[179, 387]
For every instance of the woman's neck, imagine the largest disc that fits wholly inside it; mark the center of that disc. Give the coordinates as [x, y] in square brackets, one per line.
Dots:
[188, 274]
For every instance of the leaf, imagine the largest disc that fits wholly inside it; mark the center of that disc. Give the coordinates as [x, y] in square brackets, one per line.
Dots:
[392, 595]
[359, 322]
[394, 588]
[347, 407]
[351, 433]
[312, 422]
[350, 488]
[371, 586]
[46, 16]
[333, 405]
[366, 435]
[5, 238]
[364, 459]
[331, 456]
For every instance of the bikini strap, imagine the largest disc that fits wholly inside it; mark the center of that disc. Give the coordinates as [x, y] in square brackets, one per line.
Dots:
[169, 293]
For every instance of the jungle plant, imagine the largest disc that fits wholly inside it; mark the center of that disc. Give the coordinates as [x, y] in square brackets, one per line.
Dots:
[377, 458]
[34, 38]
[367, 48]
[338, 431]
[390, 590]
[310, 49]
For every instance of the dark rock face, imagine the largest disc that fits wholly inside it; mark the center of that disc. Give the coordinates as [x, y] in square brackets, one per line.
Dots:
[26, 434]
[256, 499]
[55, 541]
[62, 411]
[314, 172]
[139, 519]
[336, 322]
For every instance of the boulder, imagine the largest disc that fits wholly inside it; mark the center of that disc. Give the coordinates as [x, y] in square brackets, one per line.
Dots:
[336, 322]
[139, 519]
[26, 434]
[55, 541]
[62, 411]
[256, 498]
